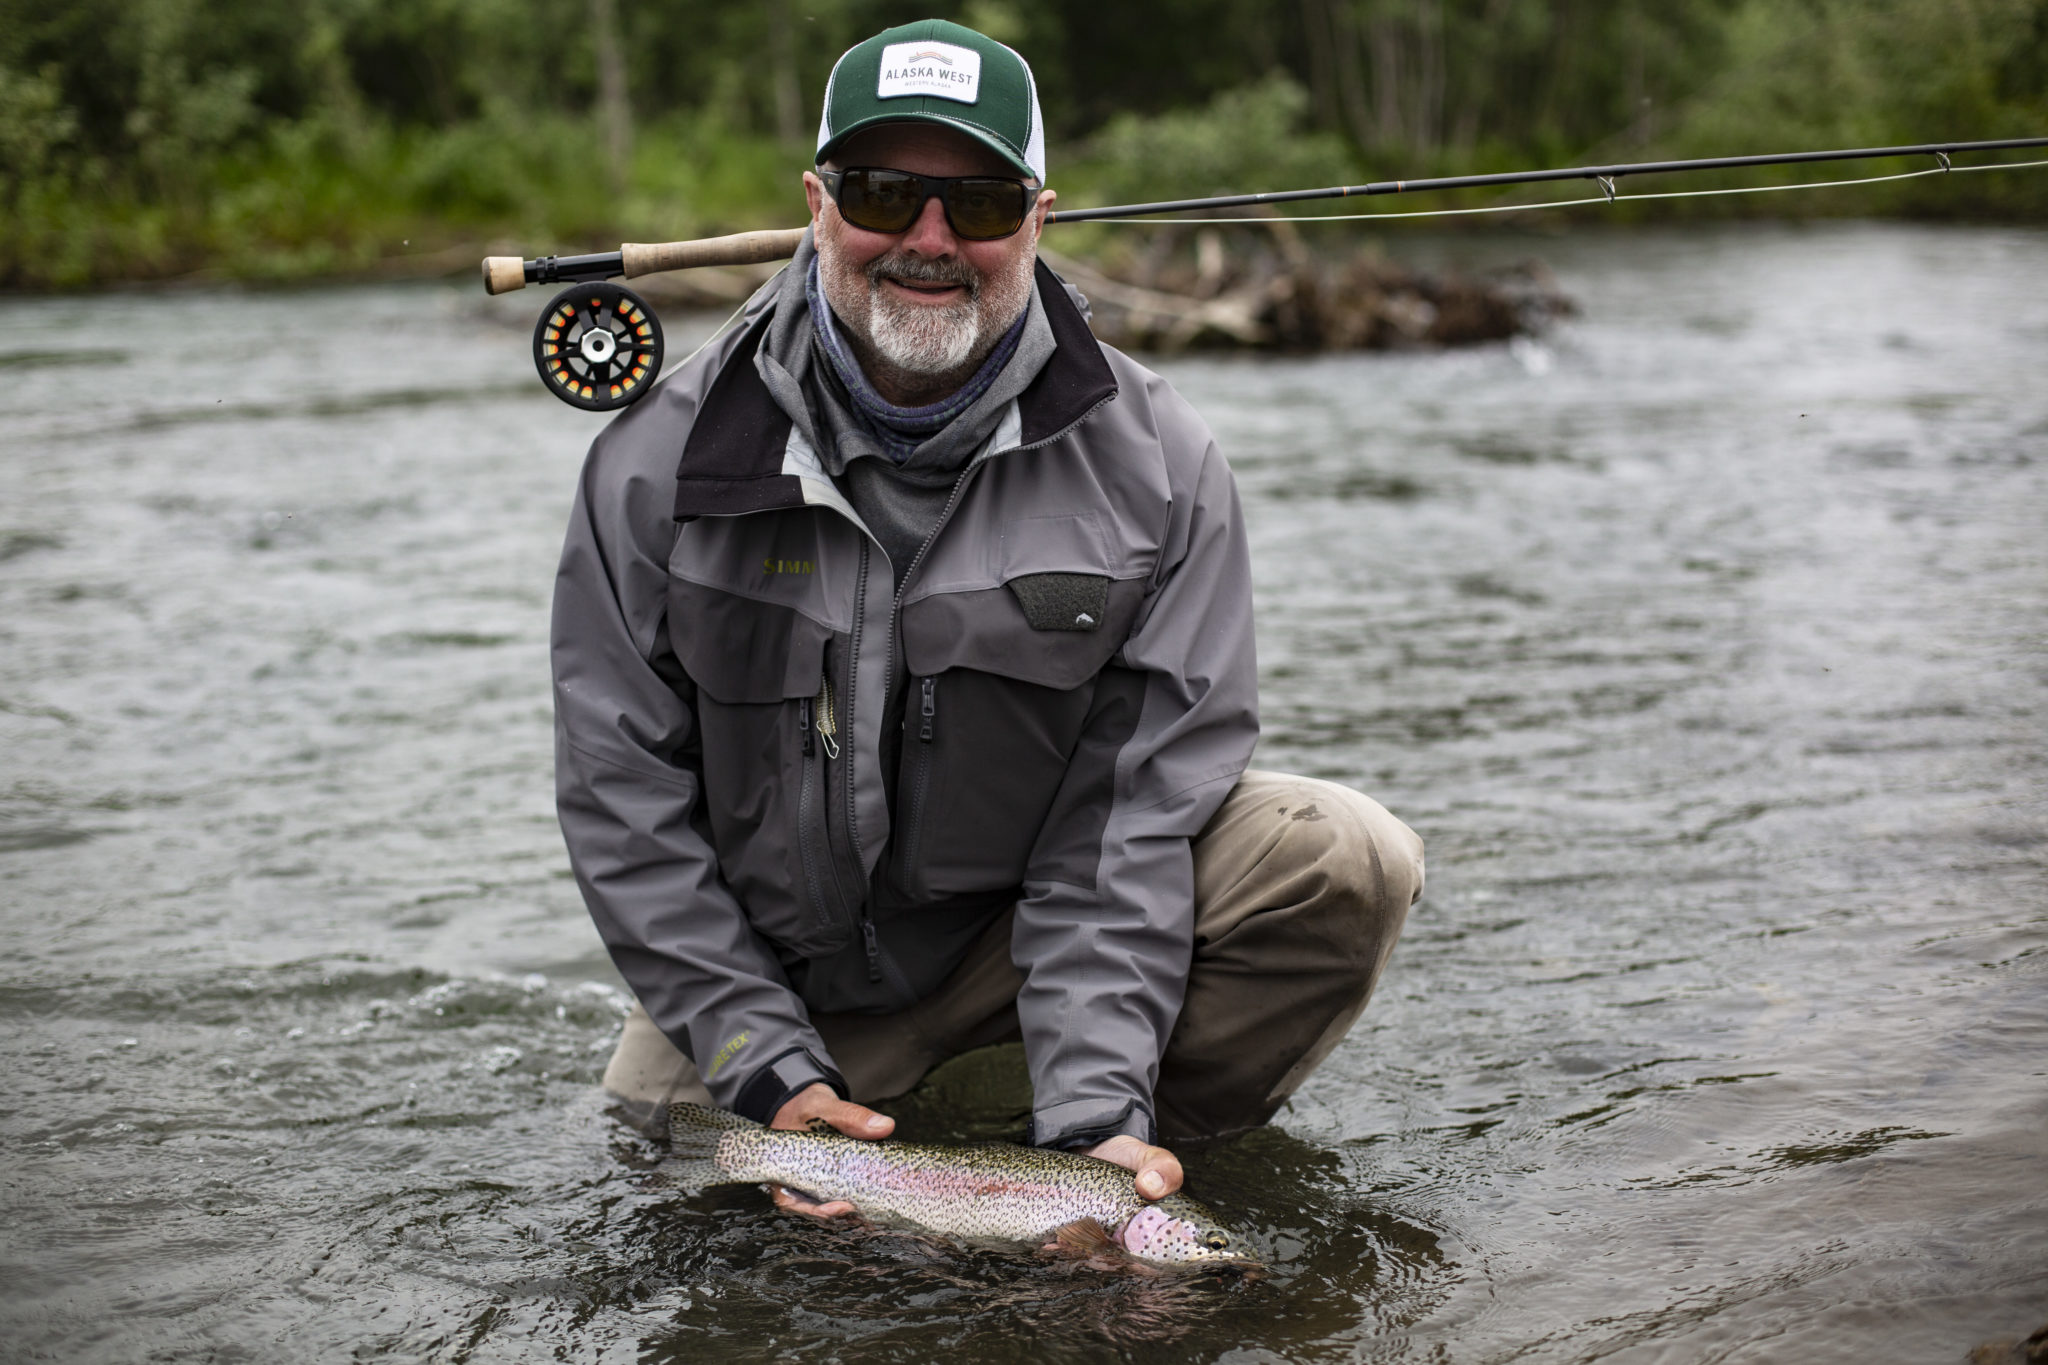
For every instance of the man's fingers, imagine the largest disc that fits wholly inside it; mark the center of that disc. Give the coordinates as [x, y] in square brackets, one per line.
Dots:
[820, 1102]
[857, 1120]
[1157, 1170]
[1160, 1175]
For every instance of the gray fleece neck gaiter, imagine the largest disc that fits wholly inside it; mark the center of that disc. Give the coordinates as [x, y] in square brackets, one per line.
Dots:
[901, 430]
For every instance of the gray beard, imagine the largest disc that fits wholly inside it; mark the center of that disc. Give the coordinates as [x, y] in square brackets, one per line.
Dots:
[920, 348]
[920, 339]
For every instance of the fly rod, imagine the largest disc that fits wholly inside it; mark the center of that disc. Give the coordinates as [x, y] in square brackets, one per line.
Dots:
[598, 346]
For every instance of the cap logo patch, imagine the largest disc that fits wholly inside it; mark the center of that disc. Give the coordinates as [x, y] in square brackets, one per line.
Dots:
[928, 68]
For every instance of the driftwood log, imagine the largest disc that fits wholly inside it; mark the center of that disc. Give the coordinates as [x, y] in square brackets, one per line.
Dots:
[1256, 284]
[1250, 285]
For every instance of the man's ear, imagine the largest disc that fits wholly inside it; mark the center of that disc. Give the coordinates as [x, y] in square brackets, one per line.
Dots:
[814, 195]
[1046, 199]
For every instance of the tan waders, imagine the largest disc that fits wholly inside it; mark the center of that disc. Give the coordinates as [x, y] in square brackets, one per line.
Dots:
[1301, 889]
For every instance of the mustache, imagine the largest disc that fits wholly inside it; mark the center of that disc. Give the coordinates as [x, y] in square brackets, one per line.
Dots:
[904, 265]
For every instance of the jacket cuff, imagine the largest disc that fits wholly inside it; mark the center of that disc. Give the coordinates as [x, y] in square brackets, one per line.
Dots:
[778, 1081]
[1083, 1123]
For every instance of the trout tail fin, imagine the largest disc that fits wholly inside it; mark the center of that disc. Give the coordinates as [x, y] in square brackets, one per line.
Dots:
[694, 1131]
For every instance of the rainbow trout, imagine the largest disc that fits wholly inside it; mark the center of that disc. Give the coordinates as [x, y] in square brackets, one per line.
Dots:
[993, 1192]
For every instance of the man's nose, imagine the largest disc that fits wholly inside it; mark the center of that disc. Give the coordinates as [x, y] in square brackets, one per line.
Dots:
[931, 234]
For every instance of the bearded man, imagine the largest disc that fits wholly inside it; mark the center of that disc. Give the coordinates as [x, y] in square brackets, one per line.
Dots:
[905, 687]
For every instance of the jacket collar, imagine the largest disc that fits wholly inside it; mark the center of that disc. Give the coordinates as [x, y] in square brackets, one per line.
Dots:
[732, 462]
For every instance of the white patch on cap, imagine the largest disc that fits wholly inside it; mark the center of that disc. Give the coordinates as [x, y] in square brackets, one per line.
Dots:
[941, 69]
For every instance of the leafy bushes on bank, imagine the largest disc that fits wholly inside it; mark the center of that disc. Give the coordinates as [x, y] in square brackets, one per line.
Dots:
[283, 138]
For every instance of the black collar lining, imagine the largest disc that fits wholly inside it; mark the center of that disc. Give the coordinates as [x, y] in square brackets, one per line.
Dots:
[732, 461]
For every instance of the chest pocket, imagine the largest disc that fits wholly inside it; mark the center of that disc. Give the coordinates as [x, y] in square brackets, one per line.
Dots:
[746, 599]
[740, 651]
[1053, 611]
[758, 666]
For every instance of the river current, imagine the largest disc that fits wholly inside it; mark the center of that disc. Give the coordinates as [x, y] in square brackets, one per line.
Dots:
[1702, 640]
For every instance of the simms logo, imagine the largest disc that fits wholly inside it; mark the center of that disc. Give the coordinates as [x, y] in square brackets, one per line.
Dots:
[787, 566]
[940, 69]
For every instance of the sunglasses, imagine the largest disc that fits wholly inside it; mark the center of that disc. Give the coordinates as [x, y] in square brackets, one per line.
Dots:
[979, 208]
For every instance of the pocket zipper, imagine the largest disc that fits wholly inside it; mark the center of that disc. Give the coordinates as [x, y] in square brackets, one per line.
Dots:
[827, 726]
[918, 779]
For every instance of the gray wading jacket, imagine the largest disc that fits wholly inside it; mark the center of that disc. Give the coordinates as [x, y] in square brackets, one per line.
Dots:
[768, 761]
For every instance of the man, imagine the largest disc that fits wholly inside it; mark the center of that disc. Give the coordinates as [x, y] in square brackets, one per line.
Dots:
[905, 685]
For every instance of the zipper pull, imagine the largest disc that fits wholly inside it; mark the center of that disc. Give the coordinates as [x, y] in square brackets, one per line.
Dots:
[803, 725]
[827, 726]
[929, 710]
[867, 935]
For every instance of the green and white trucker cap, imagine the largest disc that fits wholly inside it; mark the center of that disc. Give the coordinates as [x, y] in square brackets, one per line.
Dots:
[937, 72]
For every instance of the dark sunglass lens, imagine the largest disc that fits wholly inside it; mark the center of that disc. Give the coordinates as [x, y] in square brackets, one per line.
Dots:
[880, 201]
[983, 209]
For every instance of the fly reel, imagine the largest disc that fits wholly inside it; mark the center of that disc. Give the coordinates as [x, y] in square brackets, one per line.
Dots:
[597, 346]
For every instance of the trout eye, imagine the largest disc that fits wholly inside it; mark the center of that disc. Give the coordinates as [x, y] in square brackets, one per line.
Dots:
[1216, 1241]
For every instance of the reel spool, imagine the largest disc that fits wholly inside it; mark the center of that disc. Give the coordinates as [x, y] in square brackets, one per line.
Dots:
[597, 346]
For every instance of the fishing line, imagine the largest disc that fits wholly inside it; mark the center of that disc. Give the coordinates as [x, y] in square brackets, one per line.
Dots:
[1614, 198]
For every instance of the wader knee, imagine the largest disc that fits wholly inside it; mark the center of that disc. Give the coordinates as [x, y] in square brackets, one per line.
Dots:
[1302, 888]
[647, 1073]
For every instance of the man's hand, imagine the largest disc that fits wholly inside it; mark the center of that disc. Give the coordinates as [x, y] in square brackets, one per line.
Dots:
[1158, 1170]
[820, 1101]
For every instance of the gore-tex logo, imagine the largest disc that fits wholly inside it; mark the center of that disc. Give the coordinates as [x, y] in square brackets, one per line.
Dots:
[929, 68]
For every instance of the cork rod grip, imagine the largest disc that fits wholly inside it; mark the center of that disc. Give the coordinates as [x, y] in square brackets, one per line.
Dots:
[741, 248]
[503, 274]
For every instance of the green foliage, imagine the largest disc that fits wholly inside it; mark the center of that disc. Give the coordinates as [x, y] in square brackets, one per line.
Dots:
[143, 138]
[35, 125]
[1830, 73]
[1250, 137]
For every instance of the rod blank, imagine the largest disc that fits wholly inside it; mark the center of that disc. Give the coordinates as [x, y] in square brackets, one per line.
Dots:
[1460, 182]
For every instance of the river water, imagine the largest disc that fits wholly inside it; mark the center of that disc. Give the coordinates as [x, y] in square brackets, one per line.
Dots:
[1702, 641]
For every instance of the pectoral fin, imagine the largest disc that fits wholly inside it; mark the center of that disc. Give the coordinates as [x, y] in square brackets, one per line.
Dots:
[1082, 1238]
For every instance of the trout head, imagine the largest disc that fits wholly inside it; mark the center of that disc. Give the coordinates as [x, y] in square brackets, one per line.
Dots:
[1177, 1231]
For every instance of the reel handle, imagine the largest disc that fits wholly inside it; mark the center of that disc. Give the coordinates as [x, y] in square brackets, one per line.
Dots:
[503, 274]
